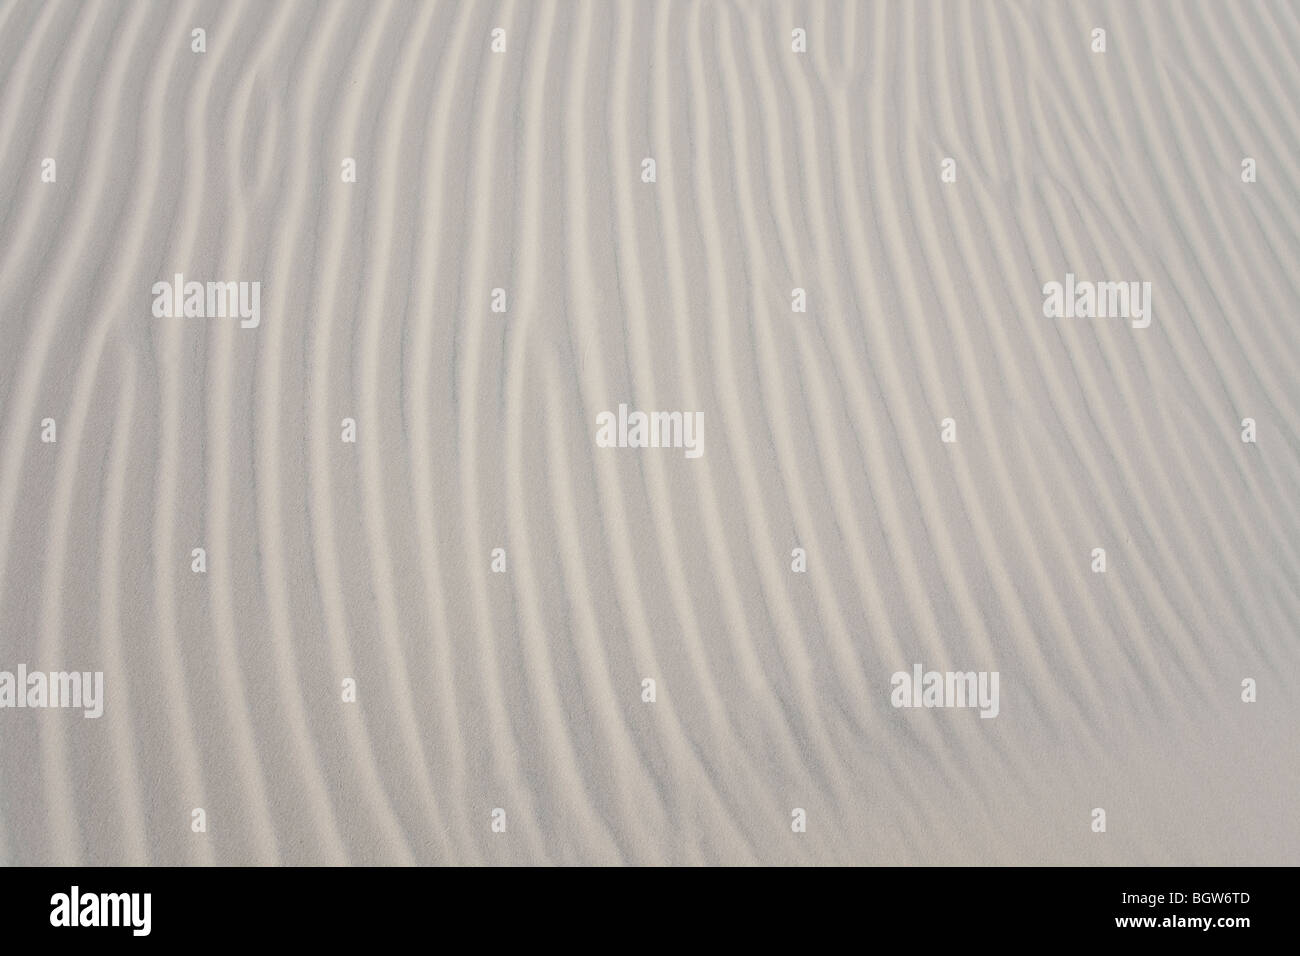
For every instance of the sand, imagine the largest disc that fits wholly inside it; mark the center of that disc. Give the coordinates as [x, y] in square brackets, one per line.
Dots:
[500, 711]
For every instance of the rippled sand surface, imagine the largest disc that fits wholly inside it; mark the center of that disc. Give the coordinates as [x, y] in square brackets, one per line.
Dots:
[475, 414]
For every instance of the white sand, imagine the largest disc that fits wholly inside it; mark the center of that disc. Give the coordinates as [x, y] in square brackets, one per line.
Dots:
[476, 430]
